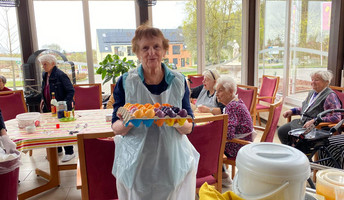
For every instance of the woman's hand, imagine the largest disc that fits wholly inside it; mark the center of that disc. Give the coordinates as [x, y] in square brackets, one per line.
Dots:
[309, 123]
[185, 129]
[119, 128]
[203, 109]
[287, 113]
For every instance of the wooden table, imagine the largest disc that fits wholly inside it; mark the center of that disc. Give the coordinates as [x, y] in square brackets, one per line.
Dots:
[49, 137]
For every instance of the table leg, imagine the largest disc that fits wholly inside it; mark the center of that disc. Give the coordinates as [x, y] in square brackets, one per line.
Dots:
[53, 178]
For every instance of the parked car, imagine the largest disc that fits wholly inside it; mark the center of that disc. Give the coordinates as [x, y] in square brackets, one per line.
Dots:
[172, 66]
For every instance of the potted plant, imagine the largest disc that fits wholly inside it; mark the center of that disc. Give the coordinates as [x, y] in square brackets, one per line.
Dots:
[113, 66]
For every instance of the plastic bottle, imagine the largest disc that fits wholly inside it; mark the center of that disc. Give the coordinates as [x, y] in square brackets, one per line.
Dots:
[53, 104]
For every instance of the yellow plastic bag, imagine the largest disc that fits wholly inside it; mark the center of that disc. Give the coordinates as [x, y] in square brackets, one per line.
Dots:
[208, 192]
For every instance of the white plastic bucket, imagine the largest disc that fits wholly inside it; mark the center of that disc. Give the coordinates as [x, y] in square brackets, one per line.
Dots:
[271, 171]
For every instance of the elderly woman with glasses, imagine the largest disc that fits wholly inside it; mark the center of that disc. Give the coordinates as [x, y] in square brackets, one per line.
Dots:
[206, 94]
[320, 98]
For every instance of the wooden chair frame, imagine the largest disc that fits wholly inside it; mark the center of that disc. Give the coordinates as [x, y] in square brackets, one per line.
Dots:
[91, 85]
[273, 97]
[272, 109]
[206, 119]
[82, 181]
[252, 109]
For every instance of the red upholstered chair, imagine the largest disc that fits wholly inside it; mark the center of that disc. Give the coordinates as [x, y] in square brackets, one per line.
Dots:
[96, 155]
[12, 103]
[88, 96]
[195, 80]
[209, 140]
[268, 134]
[248, 94]
[266, 95]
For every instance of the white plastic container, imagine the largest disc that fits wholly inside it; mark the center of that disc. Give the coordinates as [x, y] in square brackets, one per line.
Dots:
[28, 119]
[271, 171]
[330, 184]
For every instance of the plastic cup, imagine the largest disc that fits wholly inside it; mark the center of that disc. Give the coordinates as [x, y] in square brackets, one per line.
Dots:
[339, 191]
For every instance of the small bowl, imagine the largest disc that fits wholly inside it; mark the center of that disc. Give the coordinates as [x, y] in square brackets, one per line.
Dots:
[30, 129]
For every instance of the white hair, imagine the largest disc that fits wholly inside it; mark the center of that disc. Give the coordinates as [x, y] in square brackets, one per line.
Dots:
[3, 79]
[211, 74]
[228, 83]
[325, 75]
[48, 58]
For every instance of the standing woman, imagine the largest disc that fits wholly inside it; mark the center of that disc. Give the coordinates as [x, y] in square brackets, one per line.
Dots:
[153, 162]
[55, 80]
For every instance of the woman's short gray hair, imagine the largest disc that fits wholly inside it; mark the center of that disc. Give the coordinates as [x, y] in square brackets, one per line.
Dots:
[211, 74]
[3, 79]
[325, 75]
[228, 83]
[48, 58]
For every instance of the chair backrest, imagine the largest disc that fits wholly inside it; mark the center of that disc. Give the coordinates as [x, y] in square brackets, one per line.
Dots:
[96, 155]
[248, 94]
[209, 139]
[269, 88]
[340, 93]
[12, 103]
[88, 96]
[195, 80]
[271, 124]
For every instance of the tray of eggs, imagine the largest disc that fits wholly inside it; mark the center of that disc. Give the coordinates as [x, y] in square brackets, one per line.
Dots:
[157, 114]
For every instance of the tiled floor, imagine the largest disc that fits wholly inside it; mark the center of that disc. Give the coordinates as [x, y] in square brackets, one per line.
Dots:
[67, 190]
[29, 179]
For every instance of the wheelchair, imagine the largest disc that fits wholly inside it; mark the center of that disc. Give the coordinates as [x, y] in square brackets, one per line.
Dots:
[311, 140]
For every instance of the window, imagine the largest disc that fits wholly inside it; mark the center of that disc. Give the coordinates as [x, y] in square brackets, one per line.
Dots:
[175, 61]
[62, 33]
[10, 56]
[182, 62]
[175, 49]
[223, 36]
[170, 17]
[130, 51]
[308, 44]
[102, 18]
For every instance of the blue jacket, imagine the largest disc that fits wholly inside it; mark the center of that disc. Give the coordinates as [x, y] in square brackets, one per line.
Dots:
[2, 123]
[61, 85]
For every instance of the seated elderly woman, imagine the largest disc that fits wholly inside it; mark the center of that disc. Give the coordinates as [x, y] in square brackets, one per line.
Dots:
[240, 123]
[239, 119]
[319, 99]
[206, 94]
[3, 83]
